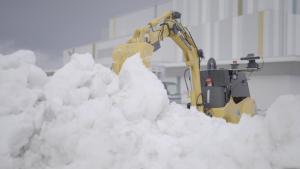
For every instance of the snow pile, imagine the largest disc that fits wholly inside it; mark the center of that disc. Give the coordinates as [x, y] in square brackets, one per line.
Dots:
[142, 94]
[87, 117]
[21, 92]
[283, 119]
[20, 82]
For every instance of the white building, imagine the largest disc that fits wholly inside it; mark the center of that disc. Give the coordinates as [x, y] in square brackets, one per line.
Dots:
[225, 30]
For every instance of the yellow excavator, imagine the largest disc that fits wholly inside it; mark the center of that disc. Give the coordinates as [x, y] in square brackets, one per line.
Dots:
[216, 92]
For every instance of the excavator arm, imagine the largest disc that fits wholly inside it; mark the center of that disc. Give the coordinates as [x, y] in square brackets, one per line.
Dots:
[147, 39]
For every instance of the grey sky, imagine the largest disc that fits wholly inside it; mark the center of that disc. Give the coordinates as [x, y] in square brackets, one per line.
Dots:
[49, 26]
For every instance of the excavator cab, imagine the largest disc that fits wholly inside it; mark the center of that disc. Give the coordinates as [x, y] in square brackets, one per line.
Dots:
[226, 92]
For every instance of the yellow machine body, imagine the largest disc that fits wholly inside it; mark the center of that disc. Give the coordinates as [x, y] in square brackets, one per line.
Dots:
[232, 111]
[145, 41]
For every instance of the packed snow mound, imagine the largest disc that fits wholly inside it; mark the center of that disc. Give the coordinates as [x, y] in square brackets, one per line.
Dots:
[85, 116]
[283, 126]
[80, 80]
[142, 95]
[21, 89]
[20, 82]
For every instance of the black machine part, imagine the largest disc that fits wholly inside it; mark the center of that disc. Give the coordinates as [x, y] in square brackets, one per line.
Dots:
[214, 97]
[234, 65]
[211, 64]
[239, 85]
[251, 60]
[223, 87]
[176, 15]
[200, 53]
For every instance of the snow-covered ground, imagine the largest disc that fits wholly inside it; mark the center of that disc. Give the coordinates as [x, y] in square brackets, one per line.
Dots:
[86, 117]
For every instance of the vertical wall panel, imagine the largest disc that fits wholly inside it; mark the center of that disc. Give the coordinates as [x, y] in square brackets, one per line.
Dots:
[291, 32]
[186, 13]
[297, 35]
[206, 5]
[224, 38]
[241, 7]
[225, 9]
[214, 10]
[298, 7]
[291, 28]
[268, 34]
[266, 5]
[210, 11]
[194, 12]
[249, 31]
[236, 38]
[201, 12]
[260, 33]
[278, 28]
[234, 5]
[202, 35]
[252, 6]
[294, 6]
[208, 38]
[215, 40]
[222, 9]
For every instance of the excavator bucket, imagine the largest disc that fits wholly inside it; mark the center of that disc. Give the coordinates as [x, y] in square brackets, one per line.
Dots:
[122, 52]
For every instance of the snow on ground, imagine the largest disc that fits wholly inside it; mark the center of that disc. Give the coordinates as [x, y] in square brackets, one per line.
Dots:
[85, 116]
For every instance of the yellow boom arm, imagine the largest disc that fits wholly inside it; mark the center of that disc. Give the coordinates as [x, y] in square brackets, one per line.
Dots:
[146, 40]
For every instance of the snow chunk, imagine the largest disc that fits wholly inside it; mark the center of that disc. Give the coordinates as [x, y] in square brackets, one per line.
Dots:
[142, 94]
[80, 80]
[20, 82]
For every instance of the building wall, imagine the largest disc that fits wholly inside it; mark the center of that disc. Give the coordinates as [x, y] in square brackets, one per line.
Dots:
[266, 88]
[224, 29]
[276, 78]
